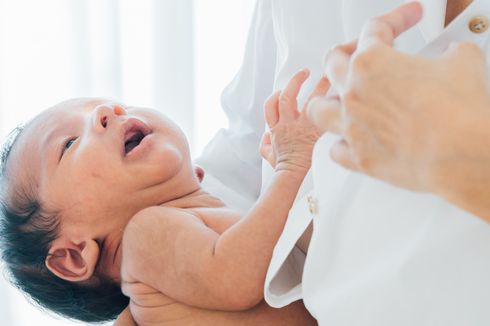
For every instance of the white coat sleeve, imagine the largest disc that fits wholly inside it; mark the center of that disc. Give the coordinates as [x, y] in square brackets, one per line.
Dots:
[231, 160]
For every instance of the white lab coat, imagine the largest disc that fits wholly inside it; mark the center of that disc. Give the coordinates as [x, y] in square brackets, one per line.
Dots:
[379, 255]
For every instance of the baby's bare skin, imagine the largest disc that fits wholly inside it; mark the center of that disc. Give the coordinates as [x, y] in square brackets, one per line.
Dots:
[161, 310]
[195, 251]
[131, 208]
[151, 307]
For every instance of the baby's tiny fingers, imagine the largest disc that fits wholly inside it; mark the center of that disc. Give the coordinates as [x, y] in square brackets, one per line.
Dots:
[294, 86]
[271, 110]
[266, 150]
[266, 138]
[288, 99]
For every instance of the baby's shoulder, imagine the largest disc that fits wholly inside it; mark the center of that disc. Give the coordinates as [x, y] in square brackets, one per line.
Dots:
[149, 231]
[151, 218]
[154, 221]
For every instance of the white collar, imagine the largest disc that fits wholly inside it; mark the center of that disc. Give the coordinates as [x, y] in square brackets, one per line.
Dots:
[432, 23]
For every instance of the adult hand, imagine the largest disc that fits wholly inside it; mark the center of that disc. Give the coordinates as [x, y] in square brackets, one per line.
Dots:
[415, 122]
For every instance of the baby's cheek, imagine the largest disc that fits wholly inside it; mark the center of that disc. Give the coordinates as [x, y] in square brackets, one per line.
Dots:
[169, 159]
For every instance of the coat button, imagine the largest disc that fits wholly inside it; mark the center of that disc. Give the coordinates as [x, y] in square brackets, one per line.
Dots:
[479, 24]
[312, 204]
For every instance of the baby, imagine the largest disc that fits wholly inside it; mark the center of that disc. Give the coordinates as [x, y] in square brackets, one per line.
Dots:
[101, 202]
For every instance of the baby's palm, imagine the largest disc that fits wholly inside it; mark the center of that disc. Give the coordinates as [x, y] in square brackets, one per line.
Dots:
[289, 142]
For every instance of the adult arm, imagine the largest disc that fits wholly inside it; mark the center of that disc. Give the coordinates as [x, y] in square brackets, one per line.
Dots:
[415, 122]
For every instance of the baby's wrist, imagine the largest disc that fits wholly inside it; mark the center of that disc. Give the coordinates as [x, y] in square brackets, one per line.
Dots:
[297, 170]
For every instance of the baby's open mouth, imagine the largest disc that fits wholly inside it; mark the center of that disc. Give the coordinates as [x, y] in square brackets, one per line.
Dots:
[134, 132]
[133, 141]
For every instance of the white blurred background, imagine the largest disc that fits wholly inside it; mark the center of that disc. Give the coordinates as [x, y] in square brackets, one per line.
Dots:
[172, 55]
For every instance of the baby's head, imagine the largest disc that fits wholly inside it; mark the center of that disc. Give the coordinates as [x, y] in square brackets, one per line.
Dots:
[71, 180]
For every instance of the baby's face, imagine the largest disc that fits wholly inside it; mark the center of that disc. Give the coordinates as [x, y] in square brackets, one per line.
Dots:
[98, 163]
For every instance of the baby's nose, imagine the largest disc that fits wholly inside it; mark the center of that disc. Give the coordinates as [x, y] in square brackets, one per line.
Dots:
[104, 113]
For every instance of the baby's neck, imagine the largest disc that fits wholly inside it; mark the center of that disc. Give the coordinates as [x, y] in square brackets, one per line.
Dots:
[199, 198]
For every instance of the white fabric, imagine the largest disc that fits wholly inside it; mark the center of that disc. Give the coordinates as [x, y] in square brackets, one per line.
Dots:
[432, 23]
[231, 160]
[380, 255]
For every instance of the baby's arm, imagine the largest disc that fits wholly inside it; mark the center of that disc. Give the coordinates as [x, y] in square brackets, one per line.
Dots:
[176, 253]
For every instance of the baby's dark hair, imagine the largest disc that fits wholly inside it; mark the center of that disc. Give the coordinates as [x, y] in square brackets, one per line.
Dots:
[26, 233]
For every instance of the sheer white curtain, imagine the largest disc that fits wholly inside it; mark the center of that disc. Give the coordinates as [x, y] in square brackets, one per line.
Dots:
[138, 52]
[172, 55]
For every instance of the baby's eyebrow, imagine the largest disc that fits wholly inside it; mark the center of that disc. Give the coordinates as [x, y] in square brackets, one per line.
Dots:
[59, 151]
[48, 144]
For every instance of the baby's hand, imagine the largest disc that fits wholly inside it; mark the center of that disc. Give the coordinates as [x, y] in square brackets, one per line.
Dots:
[288, 144]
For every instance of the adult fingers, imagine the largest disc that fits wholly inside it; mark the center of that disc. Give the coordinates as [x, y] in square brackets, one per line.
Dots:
[346, 48]
[381, 29]
[336, 64]
[341, 153]
[321, 89]
[325, 113]
[468, 54]
[384, 29]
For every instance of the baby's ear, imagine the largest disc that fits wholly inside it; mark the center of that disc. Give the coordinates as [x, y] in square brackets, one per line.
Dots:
[72, 261]
[199, 172]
